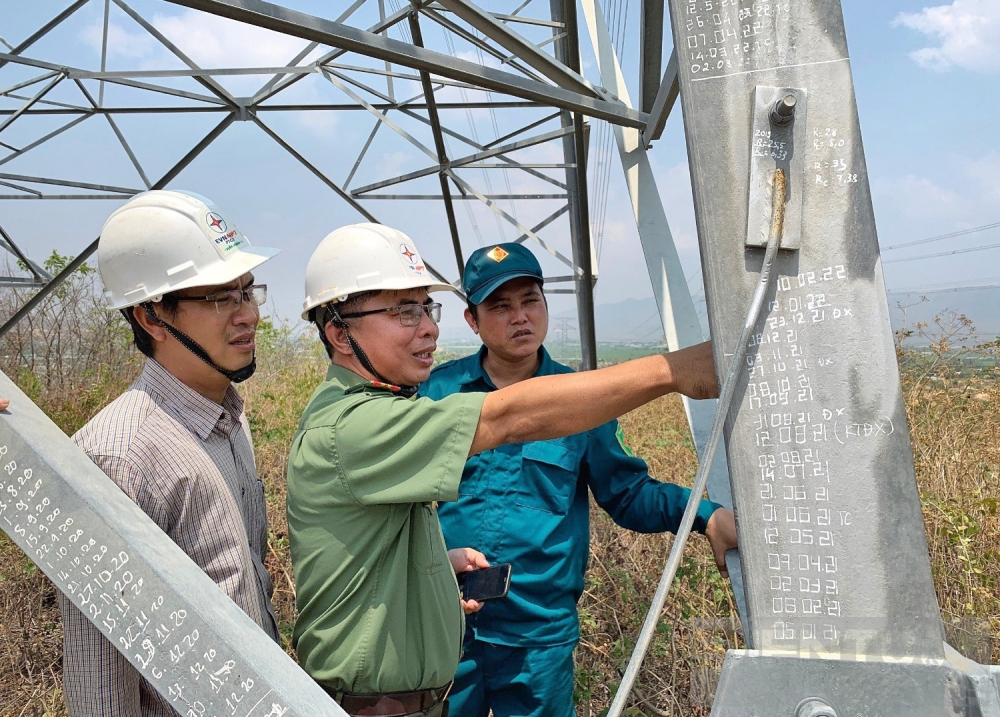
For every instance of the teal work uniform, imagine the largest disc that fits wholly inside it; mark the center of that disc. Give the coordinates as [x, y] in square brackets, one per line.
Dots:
[379, 608]
[527, 504]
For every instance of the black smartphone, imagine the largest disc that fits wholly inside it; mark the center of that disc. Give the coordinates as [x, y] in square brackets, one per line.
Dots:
[486, 584]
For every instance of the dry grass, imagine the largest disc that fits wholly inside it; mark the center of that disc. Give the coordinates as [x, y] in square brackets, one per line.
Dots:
[955, 423]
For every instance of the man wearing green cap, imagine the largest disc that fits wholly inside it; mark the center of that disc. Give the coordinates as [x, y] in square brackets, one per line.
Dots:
[527, 504]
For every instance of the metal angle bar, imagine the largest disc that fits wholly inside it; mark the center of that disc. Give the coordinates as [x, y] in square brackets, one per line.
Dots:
[15, 282]
[7, 44]
[391, 73]
[650, 52]
[574, 152]
[558, 291]
[559, 279]
[328, 107]
[67, 183]
[50, 103]
[522, 130]
[309, 27]
[117, 197]
[380, 27]
[302, 54]
[531, 235]
[200, 72]
[666, 96]
[544, 223]
[528, 20]
[312, 168]
[513, 17]
[388, 65]
[104, 49]
[520, 47]
[432, 115]
[464, 196]
[37, 271]
[333, 76]
[473, 143]
[409, 112]
[518, 165]
[42, 140]
[20, 188]
[207, 82]
[44, 30]
[28, 83]
[455, 163]
[27, 105]
[478, 42]
[75, 71]
[118, 133]
[361, 155]
[85, 254]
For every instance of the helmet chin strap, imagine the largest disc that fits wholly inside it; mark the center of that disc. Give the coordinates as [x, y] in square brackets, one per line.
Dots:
[238, 376]
[336, 320]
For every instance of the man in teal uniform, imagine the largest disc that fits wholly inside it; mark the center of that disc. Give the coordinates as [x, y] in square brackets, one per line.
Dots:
[527, 504]
[380, 619]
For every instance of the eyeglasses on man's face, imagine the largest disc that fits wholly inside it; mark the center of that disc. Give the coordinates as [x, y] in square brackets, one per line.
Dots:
[409, 314]
[230, 301]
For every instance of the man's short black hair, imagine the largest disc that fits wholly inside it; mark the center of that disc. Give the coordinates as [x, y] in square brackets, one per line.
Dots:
[140, 337]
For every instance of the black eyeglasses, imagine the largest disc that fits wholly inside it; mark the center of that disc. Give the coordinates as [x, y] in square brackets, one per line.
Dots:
[231, 300]
[409, 314]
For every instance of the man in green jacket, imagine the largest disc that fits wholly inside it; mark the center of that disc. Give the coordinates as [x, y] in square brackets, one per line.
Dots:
[380, 618]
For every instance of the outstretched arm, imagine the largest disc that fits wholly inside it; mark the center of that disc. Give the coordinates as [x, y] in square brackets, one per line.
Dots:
[552, 406]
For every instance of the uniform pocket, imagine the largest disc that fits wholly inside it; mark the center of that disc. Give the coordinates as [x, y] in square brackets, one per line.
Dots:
[548, 476]
[426, 541]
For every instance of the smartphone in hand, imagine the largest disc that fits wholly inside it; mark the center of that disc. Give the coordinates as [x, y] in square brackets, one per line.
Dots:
[486, 584]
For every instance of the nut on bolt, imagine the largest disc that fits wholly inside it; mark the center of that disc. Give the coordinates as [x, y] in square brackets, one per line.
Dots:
[814, 707]
[783, 111]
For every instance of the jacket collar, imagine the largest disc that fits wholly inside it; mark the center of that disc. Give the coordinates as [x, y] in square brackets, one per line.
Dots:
[199, 414]
[476, 373]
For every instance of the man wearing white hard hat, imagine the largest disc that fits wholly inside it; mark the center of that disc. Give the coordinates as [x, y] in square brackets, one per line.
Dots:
[380, 616]
[177, 441]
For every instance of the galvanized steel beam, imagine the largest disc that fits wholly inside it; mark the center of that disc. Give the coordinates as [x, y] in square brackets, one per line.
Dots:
[567, 51]
[650, 52]
[309, 27]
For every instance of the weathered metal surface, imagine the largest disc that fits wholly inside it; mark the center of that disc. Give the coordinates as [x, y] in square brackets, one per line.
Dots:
[831, 534]
[184, 635]
[782, 685]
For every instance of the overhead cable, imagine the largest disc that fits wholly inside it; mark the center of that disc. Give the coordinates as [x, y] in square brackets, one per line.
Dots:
[939, 237]
[945, 253]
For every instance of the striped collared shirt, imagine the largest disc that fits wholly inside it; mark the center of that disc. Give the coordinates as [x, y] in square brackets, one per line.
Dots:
[189, 464]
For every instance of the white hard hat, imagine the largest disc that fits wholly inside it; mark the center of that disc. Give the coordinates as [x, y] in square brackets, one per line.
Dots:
[162, 241]
[364, 257]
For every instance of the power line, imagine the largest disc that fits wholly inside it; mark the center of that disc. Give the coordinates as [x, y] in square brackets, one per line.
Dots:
[945, 253]
[939, 237]
[945, 289]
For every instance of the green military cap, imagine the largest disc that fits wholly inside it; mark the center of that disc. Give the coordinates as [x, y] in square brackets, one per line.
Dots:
[492, 266]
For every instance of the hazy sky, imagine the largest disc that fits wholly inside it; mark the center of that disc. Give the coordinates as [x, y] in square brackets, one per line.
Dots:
[926, 79]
